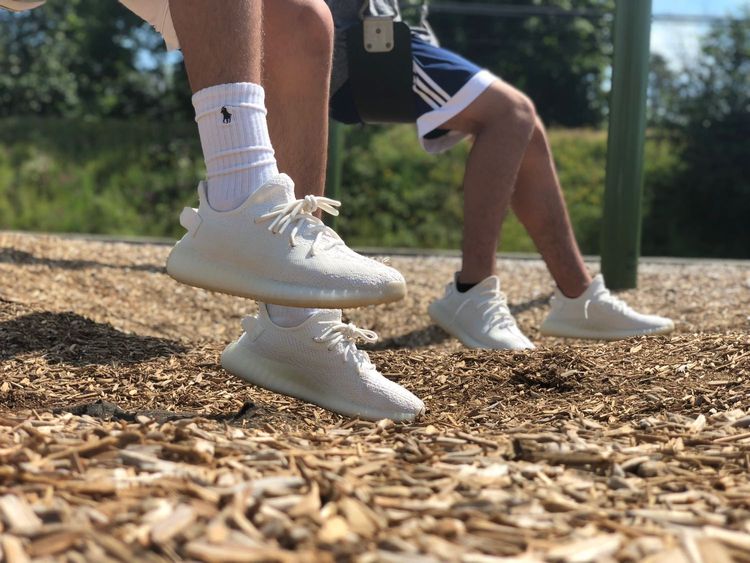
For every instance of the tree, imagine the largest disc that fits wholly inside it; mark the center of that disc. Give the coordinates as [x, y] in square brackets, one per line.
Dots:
[81, 58]
[663, 92]
[704, 211]
[560, 61]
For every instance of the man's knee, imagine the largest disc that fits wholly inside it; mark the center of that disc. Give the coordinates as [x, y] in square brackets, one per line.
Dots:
[312, 23]
[514, 105]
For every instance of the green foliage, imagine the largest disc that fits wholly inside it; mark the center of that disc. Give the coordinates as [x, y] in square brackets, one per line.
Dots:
[81, 58]
[79, 62]
[132, 178]
[398, 195]
[93, 58]
[559, 61]
[702, 208]
[107, 177]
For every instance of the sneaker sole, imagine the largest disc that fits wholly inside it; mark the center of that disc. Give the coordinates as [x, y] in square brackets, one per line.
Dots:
[440, 318]
[275, 376]
[565, 331]
[192, 268]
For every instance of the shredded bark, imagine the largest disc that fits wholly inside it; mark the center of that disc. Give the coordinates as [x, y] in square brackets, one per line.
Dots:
[122, 439]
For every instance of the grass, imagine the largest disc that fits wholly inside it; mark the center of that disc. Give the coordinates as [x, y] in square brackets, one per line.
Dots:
[132, 178]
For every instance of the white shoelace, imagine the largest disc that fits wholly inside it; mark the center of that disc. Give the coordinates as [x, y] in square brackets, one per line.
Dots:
[495, 310]
[347, 335]
[299, 213]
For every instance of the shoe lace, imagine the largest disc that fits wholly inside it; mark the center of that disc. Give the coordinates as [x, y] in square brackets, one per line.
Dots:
[604, 296]
[299, 213]
[347, 335]
[494, 307]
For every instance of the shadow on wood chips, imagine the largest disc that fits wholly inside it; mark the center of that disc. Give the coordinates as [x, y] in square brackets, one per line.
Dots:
[72, 339]
[14, 256]
[427, 336]
[105, 410]
[552, 370]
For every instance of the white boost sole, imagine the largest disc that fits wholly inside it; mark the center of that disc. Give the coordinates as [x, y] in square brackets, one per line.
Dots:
[280, 378]
[444, 321]
[192, 268]
[566, 331]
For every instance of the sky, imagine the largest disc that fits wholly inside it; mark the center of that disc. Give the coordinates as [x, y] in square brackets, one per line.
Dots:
[680, 42]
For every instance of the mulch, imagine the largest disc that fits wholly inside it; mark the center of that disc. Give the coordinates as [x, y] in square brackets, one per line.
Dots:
[122, 439]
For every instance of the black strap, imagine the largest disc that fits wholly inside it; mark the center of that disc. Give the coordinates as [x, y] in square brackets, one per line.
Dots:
[382, 82]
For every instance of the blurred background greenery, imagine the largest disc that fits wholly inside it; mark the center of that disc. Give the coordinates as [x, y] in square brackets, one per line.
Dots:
[96, 131]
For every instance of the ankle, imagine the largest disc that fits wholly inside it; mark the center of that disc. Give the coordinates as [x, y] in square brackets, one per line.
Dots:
[464, 287]
[576, 290]
[289, 317]
[471, 279]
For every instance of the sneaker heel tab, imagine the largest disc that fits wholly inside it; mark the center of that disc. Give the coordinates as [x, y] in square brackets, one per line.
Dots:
[252, 327]
[284, 179]
[203, 195]
[249, 324]
[190, 219]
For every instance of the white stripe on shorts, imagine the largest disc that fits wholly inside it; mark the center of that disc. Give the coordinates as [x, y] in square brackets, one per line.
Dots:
[426, 94]
[430, 82]
[437, 117]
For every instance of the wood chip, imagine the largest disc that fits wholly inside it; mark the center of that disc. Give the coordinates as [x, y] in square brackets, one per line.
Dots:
[123, 439]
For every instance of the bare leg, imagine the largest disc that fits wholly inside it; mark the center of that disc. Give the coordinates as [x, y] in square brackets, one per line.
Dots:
[539, 204]
[209, 40]
[502, 122]
[298, 48]
[511, 164]
[296, 76]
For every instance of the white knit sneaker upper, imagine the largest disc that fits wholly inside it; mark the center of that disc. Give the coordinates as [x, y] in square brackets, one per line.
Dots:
[480, 317]
[600, 315]
[318, 361]
[272, 248]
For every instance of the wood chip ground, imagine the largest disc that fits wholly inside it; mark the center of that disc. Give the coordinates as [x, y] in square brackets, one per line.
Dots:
[121, 438]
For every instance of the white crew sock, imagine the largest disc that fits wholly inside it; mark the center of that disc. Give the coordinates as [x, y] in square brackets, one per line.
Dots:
[236, 146]
[289, 317]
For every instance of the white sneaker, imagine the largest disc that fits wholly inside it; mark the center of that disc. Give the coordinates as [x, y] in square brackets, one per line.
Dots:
[318, 362]
[598, 314]
[20, 5]
[273, 249]
[480, 317]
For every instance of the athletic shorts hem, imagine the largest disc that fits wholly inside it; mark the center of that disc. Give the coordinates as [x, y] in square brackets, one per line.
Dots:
[462, 99]
[158, 14]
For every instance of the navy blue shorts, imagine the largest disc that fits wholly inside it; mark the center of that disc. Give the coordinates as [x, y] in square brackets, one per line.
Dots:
[444, 85]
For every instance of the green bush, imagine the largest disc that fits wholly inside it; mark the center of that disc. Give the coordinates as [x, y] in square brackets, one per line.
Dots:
[398, 195]
[702, 207]
[112, 177]
[132, 178]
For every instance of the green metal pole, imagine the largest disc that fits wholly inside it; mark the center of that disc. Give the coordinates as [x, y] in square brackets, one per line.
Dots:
[621, 230]
[335, 164]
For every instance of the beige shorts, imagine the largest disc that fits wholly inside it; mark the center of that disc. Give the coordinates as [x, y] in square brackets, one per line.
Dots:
[156, 12]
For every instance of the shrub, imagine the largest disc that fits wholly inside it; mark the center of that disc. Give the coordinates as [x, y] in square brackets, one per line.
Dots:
[132, 178]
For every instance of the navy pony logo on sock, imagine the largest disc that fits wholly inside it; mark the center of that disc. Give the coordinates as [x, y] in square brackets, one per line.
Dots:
[226, 114]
